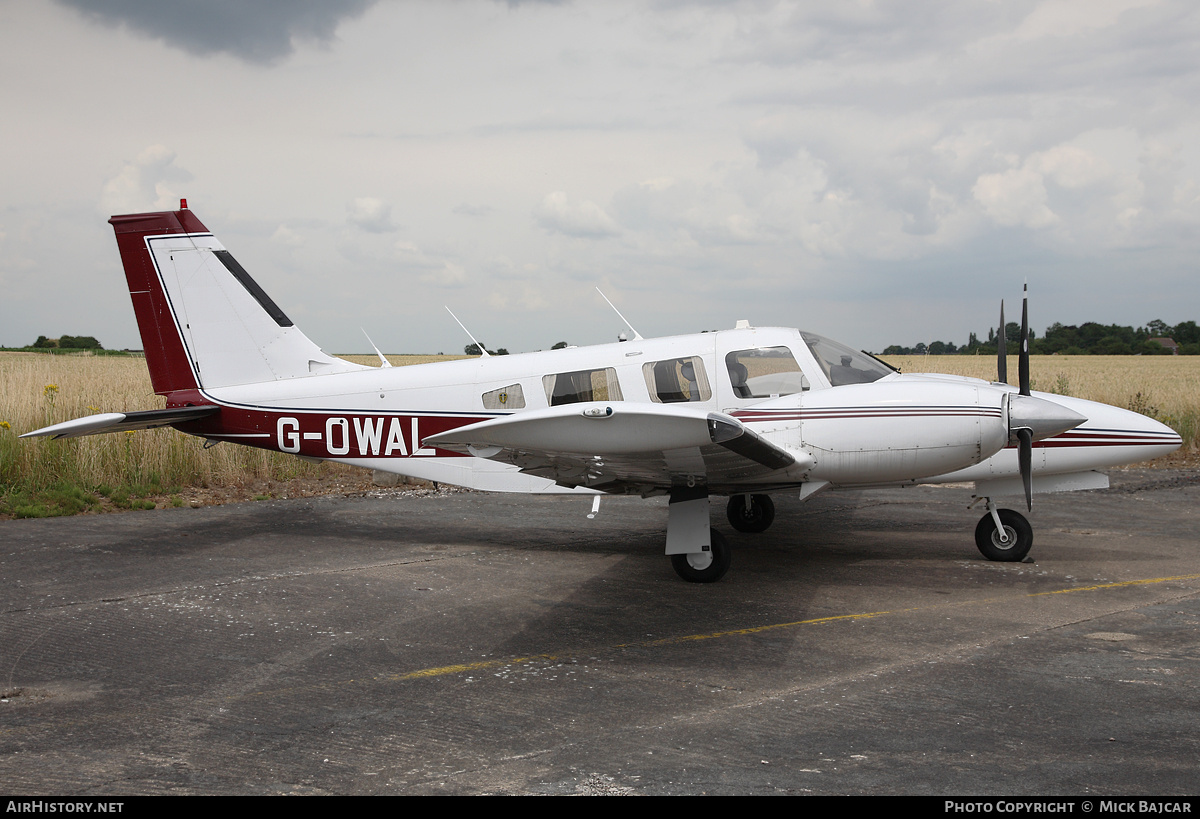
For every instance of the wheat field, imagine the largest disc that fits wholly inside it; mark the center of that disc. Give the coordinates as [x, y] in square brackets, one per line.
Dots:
[1162, 386]
[37, 390]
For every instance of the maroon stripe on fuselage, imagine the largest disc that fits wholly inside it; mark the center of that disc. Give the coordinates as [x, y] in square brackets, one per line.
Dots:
[327, 434]
[762, 416]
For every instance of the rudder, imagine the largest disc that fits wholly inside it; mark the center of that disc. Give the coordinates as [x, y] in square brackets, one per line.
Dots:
[204, 321]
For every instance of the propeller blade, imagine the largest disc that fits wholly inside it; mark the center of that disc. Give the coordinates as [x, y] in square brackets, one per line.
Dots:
[1001, 350]
[1025, 461]
[1023, 357]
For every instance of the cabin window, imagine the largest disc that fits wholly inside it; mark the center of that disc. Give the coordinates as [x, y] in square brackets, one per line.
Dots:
[510, 397]
[582, 385]
[677, 380]
[765, 372]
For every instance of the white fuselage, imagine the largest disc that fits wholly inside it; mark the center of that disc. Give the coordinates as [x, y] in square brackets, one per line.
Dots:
[897, 429]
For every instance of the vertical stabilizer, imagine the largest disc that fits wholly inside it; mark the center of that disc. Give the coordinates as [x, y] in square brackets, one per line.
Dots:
[204, 321]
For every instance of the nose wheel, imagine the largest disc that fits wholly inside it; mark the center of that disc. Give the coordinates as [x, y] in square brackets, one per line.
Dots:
[1009, 542]
[750, 513]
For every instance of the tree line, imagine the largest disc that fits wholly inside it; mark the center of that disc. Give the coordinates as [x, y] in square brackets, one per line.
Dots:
[67, 343]
[1089, 338]
[473, 349]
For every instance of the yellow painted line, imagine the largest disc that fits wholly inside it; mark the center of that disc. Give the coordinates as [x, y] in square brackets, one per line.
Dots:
[458, 669]
[445, 670]
[757, 629]
[1146, 582]
[442, 671]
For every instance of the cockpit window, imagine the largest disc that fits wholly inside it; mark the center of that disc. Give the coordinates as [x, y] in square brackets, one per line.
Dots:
[843, 365]
[582, 385]
[677, 380]
[765, 372]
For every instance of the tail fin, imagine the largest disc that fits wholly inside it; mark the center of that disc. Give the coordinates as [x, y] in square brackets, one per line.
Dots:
[204, 322]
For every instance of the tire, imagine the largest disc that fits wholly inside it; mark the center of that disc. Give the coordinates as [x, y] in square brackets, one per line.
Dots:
[750, 513]
[716, 568]
[1019, 532]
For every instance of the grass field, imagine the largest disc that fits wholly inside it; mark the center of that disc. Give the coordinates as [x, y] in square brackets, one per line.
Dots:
[122, 470]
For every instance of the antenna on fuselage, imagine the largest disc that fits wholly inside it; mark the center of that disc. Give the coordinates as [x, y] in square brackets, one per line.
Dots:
[482, 351]
[383, 362]
[636, 335]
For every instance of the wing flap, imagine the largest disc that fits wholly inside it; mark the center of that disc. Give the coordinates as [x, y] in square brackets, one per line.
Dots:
[623, 446]
[122, 421]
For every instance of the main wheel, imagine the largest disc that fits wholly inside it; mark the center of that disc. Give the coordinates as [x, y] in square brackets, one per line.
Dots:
[704, 567]
[750, 513]
[1019, 537]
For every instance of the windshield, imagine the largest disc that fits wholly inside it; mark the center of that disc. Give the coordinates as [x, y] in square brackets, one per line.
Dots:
[843, 365]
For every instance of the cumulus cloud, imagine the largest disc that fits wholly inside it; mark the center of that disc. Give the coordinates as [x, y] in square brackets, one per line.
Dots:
[467, 209]
[585, 219]
[284, 235]
[370, 214]
[263, 31]
[1016, 197]
[1161, 170]
[677, 209]
[1068, 18]
[1073, 167]
[145, 183]
[429, 269]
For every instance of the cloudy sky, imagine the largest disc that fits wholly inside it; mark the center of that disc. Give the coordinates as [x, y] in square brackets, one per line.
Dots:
[880, 172]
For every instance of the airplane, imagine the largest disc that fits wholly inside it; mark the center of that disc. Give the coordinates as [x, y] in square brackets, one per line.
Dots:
[743, 413]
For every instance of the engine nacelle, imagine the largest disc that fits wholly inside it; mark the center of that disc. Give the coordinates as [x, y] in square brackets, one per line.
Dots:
[900, 430]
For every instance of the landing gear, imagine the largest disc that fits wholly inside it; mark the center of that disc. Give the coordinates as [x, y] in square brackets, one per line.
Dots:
[704, 567]
[750, 513]
[1013, 545]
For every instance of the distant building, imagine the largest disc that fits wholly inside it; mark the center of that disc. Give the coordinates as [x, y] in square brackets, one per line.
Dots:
[1169, 343]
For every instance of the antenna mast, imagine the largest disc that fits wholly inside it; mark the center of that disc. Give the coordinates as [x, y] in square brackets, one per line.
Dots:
[636, 335]
[484, 353]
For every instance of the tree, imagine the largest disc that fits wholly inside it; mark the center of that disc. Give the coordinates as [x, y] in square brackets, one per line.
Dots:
[562, 345]
[1186, 332]
[1158, 328]
[472, 349]
[79, 343]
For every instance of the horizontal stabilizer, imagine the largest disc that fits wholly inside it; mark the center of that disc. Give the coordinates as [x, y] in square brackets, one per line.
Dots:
[122, 422]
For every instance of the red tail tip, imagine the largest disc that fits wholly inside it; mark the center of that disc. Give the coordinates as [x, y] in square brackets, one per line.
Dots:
[183, 204]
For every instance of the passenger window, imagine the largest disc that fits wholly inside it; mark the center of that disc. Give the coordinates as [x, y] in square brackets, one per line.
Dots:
[765, 372]
[677, 380]
[582, 385]
[510, 397]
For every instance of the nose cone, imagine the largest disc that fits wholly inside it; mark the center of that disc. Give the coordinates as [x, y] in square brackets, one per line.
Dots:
[1043, 418]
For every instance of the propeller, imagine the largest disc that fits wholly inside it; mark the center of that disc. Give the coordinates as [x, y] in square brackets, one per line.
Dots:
[1027, 414]
[1025, 435]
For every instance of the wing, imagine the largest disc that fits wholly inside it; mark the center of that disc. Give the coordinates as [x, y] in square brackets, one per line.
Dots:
[630, 448]
[122, 421]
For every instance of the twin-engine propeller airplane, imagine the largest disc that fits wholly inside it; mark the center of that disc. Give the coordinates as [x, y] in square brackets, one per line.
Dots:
[745, 412]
